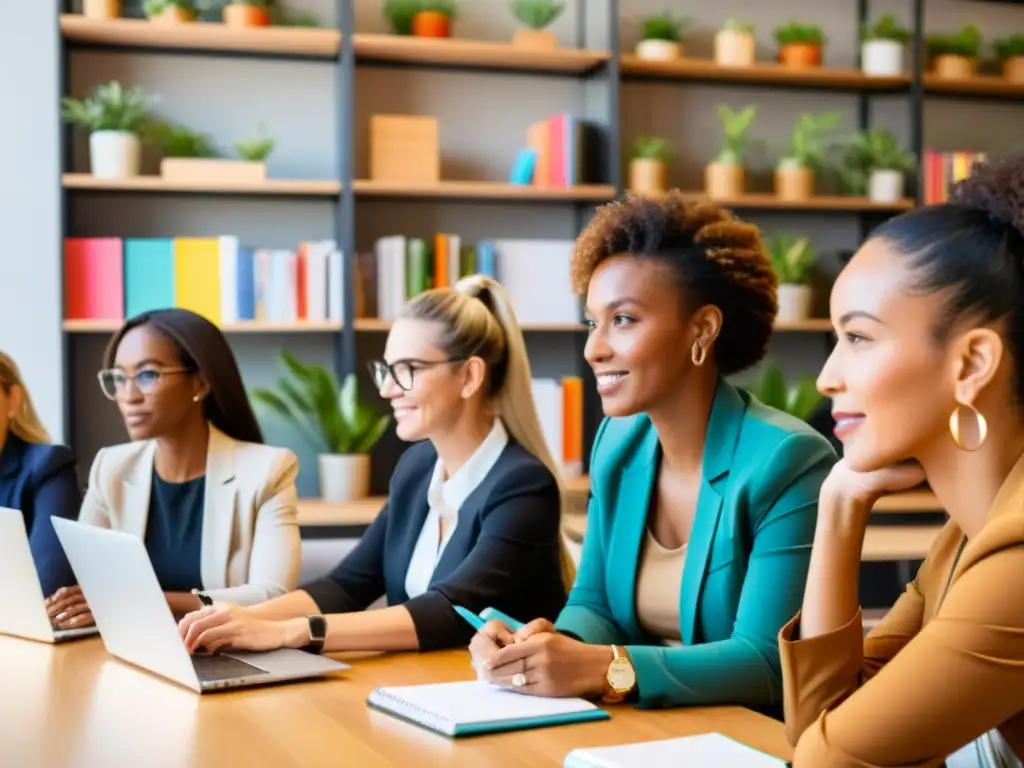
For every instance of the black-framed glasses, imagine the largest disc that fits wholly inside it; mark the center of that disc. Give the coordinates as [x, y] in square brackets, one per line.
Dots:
[403, 372]
[114, 382]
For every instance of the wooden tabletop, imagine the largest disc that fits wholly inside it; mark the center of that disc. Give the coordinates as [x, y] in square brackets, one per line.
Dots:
[73, 705]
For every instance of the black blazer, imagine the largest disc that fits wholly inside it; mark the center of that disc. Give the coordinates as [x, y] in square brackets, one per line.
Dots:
[504, 553]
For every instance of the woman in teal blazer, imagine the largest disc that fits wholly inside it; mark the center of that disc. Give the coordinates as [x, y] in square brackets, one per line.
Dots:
[703, 500]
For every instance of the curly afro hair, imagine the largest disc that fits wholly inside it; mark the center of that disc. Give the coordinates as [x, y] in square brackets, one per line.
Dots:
[973, 249]
[716, 258]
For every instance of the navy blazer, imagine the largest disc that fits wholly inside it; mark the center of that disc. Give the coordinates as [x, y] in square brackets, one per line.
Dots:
[40, 480]
[504, 552]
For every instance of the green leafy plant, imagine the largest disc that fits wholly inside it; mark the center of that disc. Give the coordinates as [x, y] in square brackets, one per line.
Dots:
[537, 14]
[798, 400]
[665, 26]
[155, 7]
[399, 14]
[111, 107]
[796, 33]
[886, 28]
[256, 149]
[738, 25]
[966, 43]
[1009, 47]
[792, 257]
[332, 418]
[182, 141]
[876, 149]
[736, 129]
[808, 148]
[651, 148]
[447, 7]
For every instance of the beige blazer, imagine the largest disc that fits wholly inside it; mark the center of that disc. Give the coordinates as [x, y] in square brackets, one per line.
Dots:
[251, 550]
[941, 669]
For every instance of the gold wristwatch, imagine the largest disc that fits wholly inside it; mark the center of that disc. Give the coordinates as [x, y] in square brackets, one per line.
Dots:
[620, 680]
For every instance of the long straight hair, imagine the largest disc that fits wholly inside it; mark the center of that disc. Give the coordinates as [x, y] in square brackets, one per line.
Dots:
[26, 423]
[202, 347]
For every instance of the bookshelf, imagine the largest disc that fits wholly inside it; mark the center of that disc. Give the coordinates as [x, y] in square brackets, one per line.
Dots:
[157, 184]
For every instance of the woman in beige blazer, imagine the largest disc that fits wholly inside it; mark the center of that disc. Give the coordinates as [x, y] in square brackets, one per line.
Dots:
[927, 383]
[216, 507]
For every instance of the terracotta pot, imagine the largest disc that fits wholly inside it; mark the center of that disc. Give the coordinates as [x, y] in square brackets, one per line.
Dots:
[174, 15]
[101, 9]
[723, 181]
[1013, 69]
[794, 183]
[431, 24]
[648, 177]
[535, 39]
[734, 48]
[659, 50]
[954, 67]
[800, 55]
[242, 15]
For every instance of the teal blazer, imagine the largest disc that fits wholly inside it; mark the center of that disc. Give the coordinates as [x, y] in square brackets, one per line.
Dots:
[746, 561]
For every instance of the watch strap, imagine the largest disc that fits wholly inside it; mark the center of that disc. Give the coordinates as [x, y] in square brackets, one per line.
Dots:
[613, 694]
[317, 633]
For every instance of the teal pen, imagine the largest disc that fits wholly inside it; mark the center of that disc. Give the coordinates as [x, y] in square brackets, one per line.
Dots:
[471, 617]
[493, 613]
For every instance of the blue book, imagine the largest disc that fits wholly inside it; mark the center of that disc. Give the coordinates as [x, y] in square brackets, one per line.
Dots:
[148, 275]
[485, 259]
[476, 707]
[246, 284]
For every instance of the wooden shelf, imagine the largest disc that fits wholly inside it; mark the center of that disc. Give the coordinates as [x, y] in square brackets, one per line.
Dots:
[484, 190]
[318, 513]
[762, 73]
[208, 36]
[811, 325]
[883, 543]
[252, 326]
[980, 85]
[908, 501]
[816, 203]
[154, 183]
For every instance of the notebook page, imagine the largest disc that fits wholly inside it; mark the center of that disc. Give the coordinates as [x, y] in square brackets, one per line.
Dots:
[708, 750]
[477, 701]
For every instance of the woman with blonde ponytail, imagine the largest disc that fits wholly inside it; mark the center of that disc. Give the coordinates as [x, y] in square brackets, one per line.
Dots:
[474, 506]
[36, 477]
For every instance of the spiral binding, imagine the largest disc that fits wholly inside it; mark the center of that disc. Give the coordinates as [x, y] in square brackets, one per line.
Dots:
[405, 708]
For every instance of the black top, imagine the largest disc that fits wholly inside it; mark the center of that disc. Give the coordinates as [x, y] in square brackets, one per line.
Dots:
[504, 552]
[174, 533]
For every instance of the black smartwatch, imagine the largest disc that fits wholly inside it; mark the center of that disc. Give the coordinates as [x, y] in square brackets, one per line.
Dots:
[203, 598]
[317, 634]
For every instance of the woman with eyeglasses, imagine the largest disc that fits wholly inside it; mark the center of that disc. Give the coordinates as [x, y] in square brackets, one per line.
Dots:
[473, 511]
[36, 478]
[215, 507]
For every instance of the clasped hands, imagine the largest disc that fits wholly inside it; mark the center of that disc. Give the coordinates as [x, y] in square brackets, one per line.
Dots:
[551, 663]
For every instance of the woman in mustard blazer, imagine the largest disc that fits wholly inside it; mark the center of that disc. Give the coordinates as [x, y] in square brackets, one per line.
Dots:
[927, 382]
[703, 500]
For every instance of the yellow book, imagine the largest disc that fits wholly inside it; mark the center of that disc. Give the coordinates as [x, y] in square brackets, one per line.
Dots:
[197, 276]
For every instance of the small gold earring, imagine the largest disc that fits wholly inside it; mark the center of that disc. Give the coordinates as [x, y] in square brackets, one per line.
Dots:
[954, 427]
[195, 398]
[698, 354]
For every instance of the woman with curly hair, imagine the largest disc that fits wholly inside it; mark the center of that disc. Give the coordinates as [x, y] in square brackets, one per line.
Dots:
[703, 500]
[927, 383]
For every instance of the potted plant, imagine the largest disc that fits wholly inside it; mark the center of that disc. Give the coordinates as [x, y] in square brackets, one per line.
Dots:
[800, 45]
[399, 14]
[334, 421]
[882, 47]
[536, 16]
[726, 175]
[955, 56]
[648, 166]
[792, 258]
[798, 400]
[115, 118]
[875, 155]
[247, 13]
[795, 171]
[433, 18]
[661, 40]
[170, 11]
[735, 45]
[101, 9]
[1010, 52]
[256, 149]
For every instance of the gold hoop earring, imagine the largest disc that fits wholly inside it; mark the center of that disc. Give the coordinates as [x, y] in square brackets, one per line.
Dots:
[954, 427]
[698, 354]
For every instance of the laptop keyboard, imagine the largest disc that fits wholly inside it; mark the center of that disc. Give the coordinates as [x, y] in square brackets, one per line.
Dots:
[210, 669]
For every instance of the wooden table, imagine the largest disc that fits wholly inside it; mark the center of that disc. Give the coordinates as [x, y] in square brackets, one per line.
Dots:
[75, 706]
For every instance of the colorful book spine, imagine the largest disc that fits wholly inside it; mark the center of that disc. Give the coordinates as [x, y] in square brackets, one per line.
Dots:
[94, 278]
[197, 276]
[148, 275]
[943, 169]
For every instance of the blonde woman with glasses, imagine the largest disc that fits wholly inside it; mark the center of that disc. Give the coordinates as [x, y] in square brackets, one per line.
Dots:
[36, 477]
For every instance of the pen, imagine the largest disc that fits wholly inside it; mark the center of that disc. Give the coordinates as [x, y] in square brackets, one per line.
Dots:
[486, 615]
[471, 617]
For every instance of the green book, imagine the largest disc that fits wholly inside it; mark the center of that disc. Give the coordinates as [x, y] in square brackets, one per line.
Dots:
[477, 707]
[419, 267]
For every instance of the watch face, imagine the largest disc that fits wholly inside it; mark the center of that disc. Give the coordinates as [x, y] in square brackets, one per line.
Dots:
[621, 675]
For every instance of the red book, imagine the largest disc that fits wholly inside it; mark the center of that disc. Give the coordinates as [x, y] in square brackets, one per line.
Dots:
[556, 156]
[302, 288]
[93, 278]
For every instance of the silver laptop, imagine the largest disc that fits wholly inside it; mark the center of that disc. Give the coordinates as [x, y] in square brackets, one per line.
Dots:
[136, 624]
[22, 603]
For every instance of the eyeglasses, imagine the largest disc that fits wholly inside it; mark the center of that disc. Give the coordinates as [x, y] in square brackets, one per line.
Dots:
[115, 382]
[403, 372]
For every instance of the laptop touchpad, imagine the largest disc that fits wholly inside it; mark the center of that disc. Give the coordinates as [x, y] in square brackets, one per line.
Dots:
[213, 668]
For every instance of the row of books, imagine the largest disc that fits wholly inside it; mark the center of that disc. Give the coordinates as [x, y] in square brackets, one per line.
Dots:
[942, 169]
[560, 409]
[561, 147]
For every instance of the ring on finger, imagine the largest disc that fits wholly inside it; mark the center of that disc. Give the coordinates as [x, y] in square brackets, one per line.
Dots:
[518, 680]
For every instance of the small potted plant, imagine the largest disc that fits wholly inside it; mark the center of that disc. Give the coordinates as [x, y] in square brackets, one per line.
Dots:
[882, 47]
[792, 259]
[800, 45]
[735, 45]
[399, 14]
[726, 176]
[256, 149]
[536, 16]
[1010, 52]
[247, 13]
[876, 155]
[795, 171]
[798, 400]
[116, 119]
[661, 40]
[434, 18]
[955, 56]
[101, 9]
[170, 11]
[648, 166]
[333, 420]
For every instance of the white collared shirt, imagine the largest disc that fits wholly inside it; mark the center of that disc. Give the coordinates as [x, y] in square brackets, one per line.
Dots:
[445, 498]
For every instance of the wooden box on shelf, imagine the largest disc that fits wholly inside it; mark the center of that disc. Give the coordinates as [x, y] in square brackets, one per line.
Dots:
[188, 170]
[404, 148]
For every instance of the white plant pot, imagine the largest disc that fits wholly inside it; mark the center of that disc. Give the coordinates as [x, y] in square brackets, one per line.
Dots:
[794, 303]
[881, 58]
[734, 48]
[344, 477]
[885, 186]
[659, 50]
[114, 154]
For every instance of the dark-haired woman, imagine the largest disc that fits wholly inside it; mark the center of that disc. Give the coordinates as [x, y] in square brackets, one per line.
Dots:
[927, 383]
[215, 507]
[703, 500]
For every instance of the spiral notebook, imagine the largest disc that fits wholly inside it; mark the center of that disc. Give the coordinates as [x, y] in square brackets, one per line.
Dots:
[477, 707]
[708, 750]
